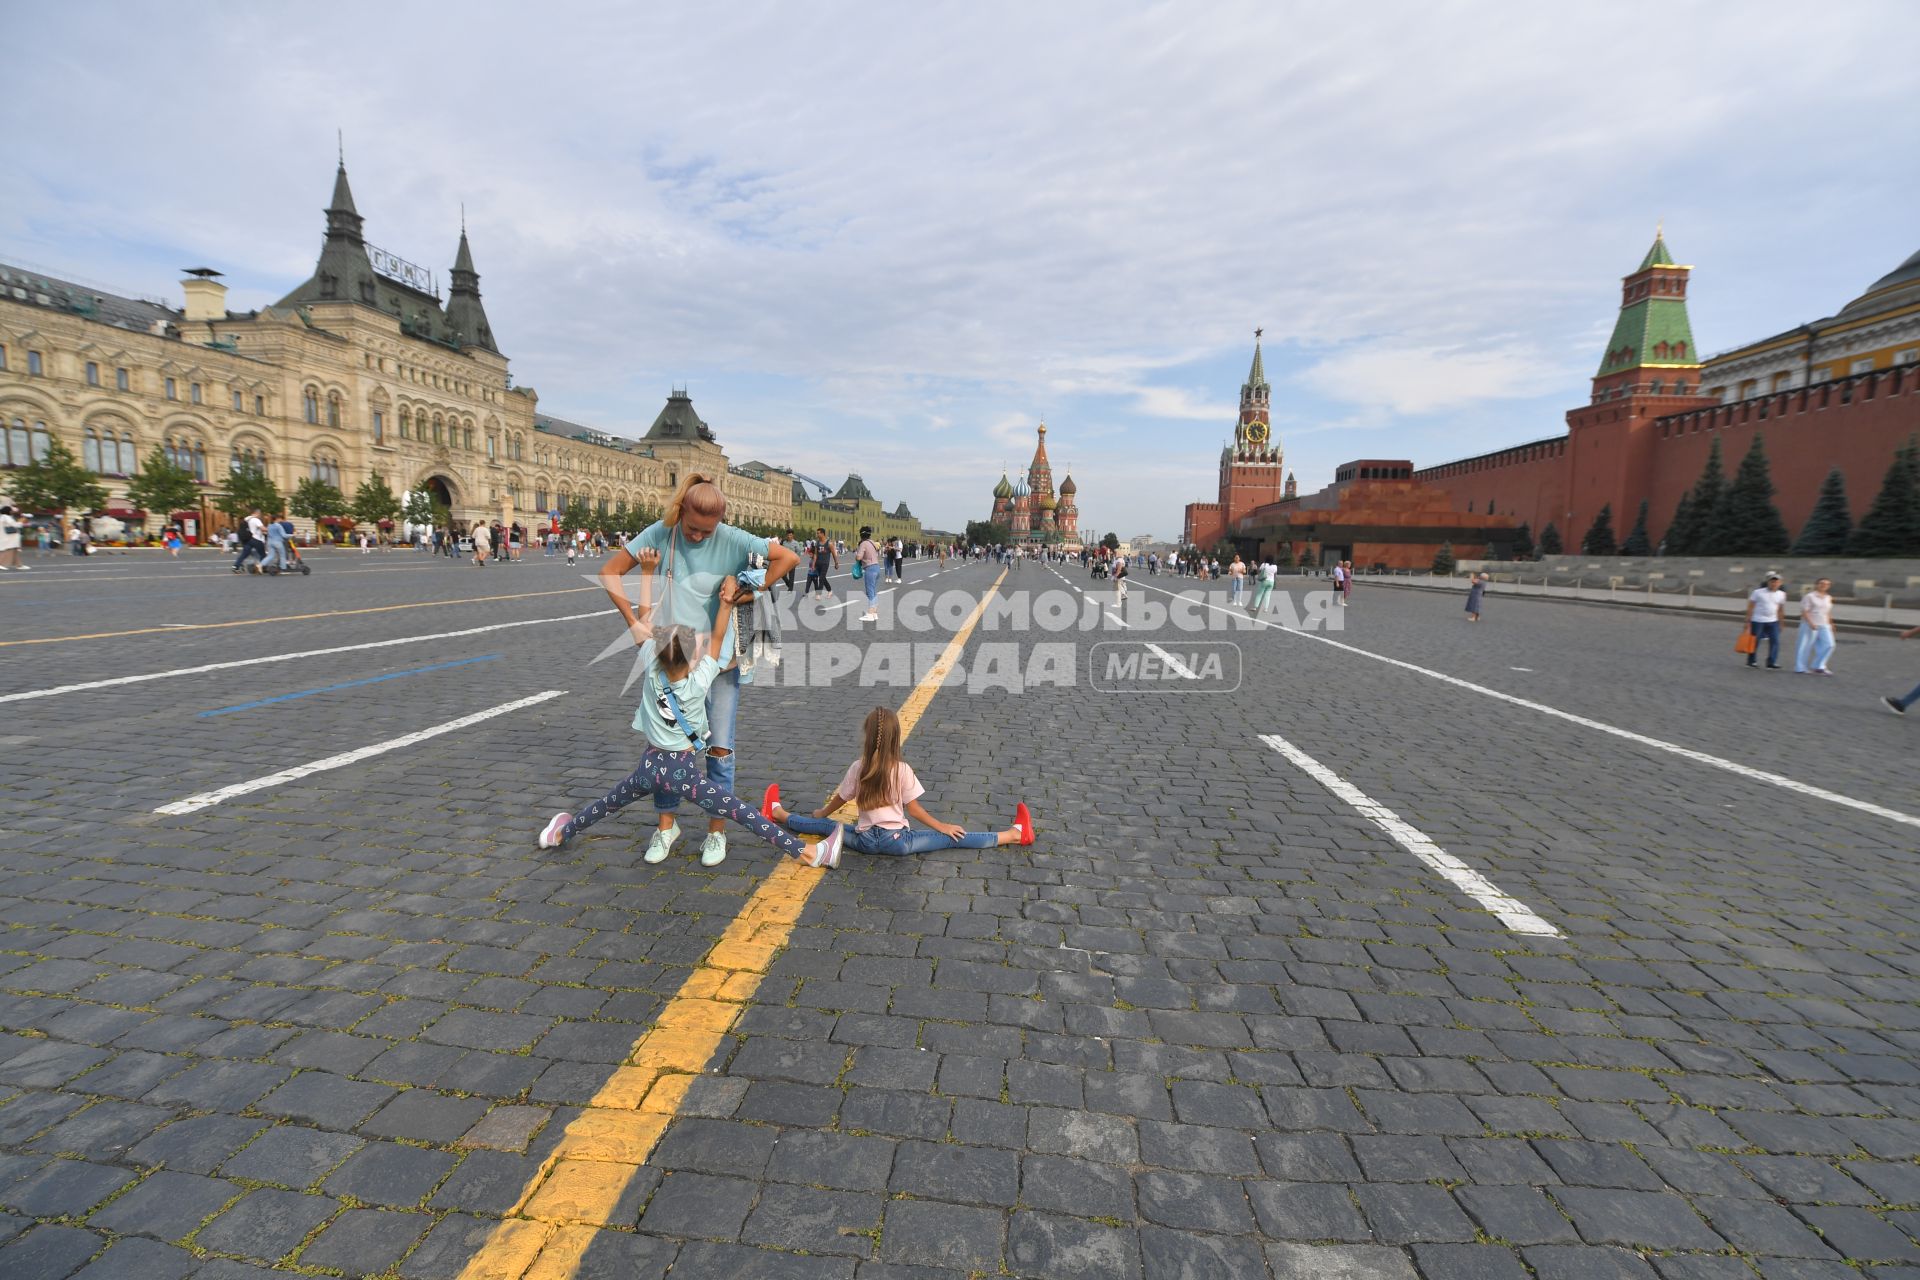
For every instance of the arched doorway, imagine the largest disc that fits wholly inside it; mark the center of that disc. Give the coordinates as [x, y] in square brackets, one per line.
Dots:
[440, 490]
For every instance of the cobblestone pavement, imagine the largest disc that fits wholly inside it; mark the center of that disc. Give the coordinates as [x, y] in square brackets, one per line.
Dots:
[1216, 1022]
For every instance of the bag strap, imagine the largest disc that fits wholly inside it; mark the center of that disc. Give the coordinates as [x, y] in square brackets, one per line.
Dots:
[679, 717]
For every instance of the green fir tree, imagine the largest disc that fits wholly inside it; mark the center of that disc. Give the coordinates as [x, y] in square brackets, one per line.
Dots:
[1443, 561]
[1678, 541]
[1599, 540]
[1699, 536]
[1550, 540]
[1523, 542]
[1637, 543]
[1891, 526]
[1831, 524]
[1746, 522]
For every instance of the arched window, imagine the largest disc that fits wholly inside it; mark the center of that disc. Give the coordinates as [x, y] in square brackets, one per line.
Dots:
[90, 450]
[466, 437]
[333, 408]
[325, 468]
[248, 455]
[310, 405]
[129, 460]
[13, 450]
[437, 424]
[187, 454]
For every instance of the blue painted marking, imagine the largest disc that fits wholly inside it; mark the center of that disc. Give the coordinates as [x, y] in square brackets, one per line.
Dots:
[351, 684]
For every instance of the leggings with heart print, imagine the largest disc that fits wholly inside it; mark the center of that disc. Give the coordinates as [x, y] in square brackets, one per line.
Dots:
[683, 774]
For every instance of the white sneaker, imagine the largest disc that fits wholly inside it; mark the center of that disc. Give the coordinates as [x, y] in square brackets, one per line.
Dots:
[826, 850]
[661, 845]
[552, 836]
[869, 616]
[714, 851]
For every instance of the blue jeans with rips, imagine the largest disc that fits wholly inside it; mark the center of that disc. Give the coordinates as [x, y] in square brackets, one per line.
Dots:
[892, 841]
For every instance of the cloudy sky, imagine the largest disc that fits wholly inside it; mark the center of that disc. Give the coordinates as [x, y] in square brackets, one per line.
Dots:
[890, 238]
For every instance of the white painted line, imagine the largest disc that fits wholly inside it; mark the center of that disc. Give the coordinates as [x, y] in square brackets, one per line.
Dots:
[1511, 911]
[207, 799]
[1526, 669]
[1686, 753]
[28, 694]
[1174, 664]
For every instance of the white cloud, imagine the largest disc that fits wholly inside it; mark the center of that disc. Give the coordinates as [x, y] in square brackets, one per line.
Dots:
[959, 214]
[1411, 379]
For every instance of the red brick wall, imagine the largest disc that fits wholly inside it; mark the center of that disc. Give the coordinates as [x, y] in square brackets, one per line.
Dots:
[1854, 423]
[1528, 483]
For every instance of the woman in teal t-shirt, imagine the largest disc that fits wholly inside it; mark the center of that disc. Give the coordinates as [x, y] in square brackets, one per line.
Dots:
[698, 551]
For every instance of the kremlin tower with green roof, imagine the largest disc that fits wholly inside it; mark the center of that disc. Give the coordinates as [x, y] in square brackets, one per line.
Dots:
[1651, 368]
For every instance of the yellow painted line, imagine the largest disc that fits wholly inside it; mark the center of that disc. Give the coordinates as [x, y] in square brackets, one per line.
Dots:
[573, 1194]
[179, 628]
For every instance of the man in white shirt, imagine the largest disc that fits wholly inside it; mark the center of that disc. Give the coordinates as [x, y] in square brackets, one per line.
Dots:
[1763, 618]
[253, 542]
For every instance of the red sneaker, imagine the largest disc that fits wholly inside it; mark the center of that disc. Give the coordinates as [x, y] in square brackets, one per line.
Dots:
[1023, 820]
[772, 799]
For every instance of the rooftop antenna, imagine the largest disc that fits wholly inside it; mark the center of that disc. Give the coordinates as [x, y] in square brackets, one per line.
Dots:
[463, 217]
[340, 137]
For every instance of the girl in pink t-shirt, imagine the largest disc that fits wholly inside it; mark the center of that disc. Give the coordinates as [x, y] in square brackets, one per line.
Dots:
[885, 790]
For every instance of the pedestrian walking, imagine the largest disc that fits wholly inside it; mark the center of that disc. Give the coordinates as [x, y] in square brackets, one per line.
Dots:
[1263, 585]
[253, 543]
[886, 791]
[1814, 644]
[1764, 603]
[482, 543]
[10, 539]
[866, 559]
[673, 717]
[825, 559]
[1236, 579]
[1475, 594]
[1339, 581]
[1346, 582]
[1119, 581]
[1899, 705]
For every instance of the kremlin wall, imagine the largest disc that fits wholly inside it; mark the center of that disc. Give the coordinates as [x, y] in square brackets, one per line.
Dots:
[1843, 392]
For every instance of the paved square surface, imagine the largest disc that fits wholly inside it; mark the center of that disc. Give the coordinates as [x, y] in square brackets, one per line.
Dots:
[1243, 1010]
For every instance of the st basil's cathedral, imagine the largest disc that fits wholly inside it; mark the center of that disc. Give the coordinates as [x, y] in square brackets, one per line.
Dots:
[1031, 510]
